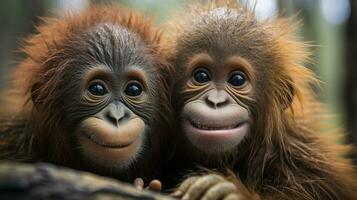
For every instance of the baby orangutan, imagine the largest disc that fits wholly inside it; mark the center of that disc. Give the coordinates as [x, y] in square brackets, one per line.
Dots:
[245, 103]
[88, 95]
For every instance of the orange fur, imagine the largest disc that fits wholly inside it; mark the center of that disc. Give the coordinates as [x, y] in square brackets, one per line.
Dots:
[29, 135]
[292, 153]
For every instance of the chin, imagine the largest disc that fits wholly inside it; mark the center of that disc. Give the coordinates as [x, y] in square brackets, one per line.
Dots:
[110, 157]
[109, 146]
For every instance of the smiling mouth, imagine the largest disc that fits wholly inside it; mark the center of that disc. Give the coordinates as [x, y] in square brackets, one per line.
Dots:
[113, 146]
[202, 126]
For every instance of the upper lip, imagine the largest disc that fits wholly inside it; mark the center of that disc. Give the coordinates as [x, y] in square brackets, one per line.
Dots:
[207, 126]
[110, 138]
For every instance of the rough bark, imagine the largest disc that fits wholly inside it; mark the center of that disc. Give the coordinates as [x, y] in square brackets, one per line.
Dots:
[45, 181]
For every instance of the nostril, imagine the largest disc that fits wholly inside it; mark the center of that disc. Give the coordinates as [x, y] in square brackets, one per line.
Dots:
[221, 103]
[210, 103]
[116, 118]
[111, 119]
[216, 102]
[125, 116]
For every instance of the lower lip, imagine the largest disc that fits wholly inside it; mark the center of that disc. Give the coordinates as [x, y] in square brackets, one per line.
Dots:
[215, 136]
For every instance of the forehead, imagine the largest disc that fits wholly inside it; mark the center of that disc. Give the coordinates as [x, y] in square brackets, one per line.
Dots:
[114, 46]
[223, 32]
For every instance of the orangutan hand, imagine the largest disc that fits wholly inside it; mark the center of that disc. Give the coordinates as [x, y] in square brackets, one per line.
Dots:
[207, 187]
[154, 185]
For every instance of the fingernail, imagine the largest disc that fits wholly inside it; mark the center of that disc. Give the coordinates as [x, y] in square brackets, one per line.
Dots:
[155, 185]
[139, 183]
[176, 194]
[186, 197]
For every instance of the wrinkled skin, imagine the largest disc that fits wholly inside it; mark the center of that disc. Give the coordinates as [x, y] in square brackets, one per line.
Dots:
[207, 187]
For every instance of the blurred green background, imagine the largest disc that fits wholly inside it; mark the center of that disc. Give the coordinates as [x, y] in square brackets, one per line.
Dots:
[330, 24]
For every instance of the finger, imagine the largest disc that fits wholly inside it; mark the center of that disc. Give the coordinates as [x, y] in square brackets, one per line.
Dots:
[184, 186]
[234, 196]
[155, 185]
[139, 183]
[201, 186]
[219, 191]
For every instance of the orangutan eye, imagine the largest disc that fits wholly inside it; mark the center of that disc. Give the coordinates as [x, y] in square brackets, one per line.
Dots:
[201, 76]
[97, 89]
[237, 79]
[133, 89]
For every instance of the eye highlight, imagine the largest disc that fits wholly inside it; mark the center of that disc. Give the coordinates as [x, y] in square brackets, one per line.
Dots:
[133, 89]
[97, 89]
[201, 76]
[237, 79]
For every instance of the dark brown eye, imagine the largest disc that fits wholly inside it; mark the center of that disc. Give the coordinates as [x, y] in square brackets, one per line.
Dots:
[133, 89]
[97, 89]
[201, 76]
[237, 79]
